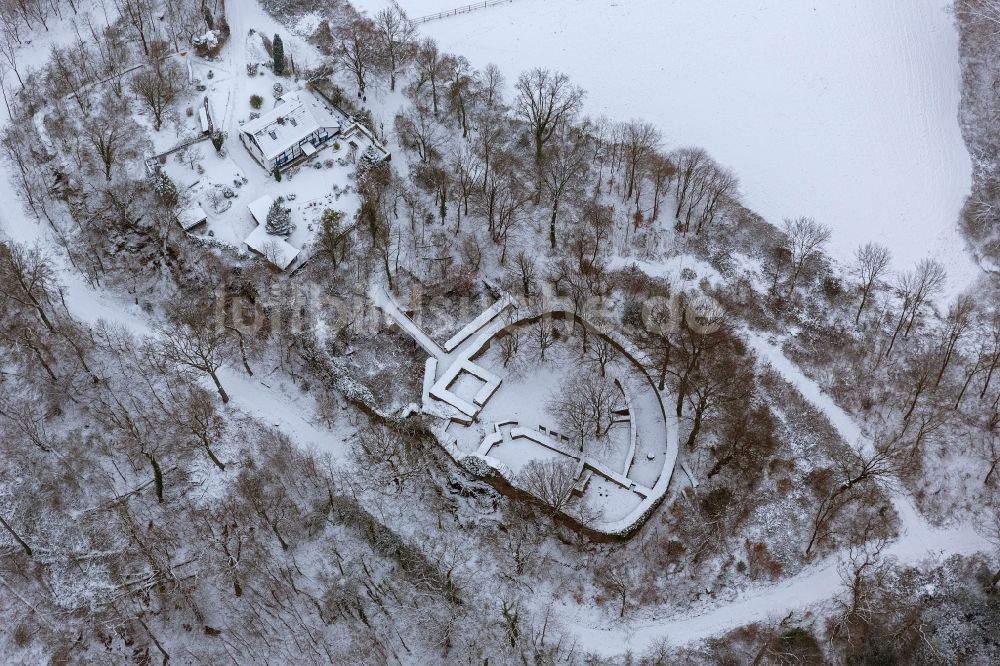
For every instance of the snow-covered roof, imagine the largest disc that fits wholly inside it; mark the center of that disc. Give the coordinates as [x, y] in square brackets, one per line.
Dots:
[275, 249]
[284, 126]
[191, 217]
[259, 208]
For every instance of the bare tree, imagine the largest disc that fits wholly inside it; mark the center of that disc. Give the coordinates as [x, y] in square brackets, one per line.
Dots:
[113, 136]
[465, 168]
[586, 405]
[525, 273]
[395, 37]
[657, 330]
[871, 261]
[138, 15]
[490, 83]
[356, 52]
[699, 335]
[987, 11]
[9, 50]
[928, 279]
[639, 143]
[158, 83]
[544, 336]
[551, 481]
[856, 475]
[986, 446]
[747, 435]
[30, 281]
[489, 136]
[509, 344]
[990, 348]
[545, 101]
[503, 201]
[460, 93]
[418, 129]
[918, 375]
[806, 237]
[863, 574]
[204, 422]
[721, 187]
[960, 319]
[595, 225]
[661, 172]
[690, 164]
[603, 353]
[995, 538]
[725, 375]
[619, 577]
[914, 288]
[195, 345]
[433, 69]
[564, 171]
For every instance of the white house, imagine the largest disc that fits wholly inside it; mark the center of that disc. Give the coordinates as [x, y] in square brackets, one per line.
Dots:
[292, 130]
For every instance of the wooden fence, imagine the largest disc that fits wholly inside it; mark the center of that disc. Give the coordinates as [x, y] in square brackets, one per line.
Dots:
[483, 4]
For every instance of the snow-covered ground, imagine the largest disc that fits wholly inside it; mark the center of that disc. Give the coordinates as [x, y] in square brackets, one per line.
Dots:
[844, 110]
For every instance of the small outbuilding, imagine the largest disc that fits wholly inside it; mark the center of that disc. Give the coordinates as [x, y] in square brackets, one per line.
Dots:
[275, 249]
[206, 127]
[259, 208]
[192, 217]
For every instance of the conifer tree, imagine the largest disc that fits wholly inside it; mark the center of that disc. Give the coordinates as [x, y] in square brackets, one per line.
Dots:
[165, 189]
[218, 138]
[278, 52]
[278, 219]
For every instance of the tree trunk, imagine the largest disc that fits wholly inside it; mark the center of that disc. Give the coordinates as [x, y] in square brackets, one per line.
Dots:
[218, 385]
[699, 413]
[157, 477]
[864, 299]
[215, 459]
[965, 385]
[552, 225]
[243, 351]
[17, 538]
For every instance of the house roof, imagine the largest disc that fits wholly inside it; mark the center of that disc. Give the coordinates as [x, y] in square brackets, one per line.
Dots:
[191, 217]
[259, 208]
[297, 121]
[275, 249]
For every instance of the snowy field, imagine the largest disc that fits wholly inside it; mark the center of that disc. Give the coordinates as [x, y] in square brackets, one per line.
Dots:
[844, 110]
